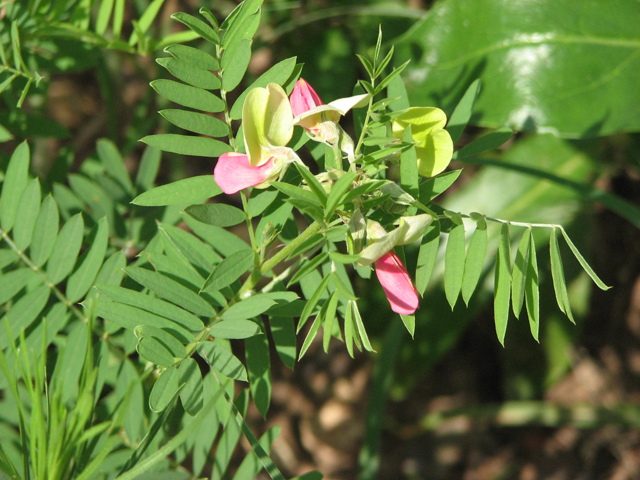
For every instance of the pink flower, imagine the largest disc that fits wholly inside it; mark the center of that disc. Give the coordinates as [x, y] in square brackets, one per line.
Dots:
[397, 284]
[303, 98]
[233, 172]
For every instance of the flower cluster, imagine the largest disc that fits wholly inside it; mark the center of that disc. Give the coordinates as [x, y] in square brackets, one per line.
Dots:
[268, 120]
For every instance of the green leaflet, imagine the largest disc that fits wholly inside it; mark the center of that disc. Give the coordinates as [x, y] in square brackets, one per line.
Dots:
[229, 270]
[29, 208]
[217, 214]
[557, 272]
[258, 367]
[155, 352]
[486, 142]
[130, 317]
[284, 337]
[502, 287]
[188, 190]
[235, 62]
[194, 76]
[337, 193]
[45, 231]
[427, 256]
[587, 268]
[189, 248]
[329, 318]
[279, 74]
[113, 163]
[248, 308]
[187, 145]
[191, 394]
[193, 56]
[454, 261]
[164, 390]
[519, 275]
[169, 343]
[474, 262]
[531, 290]
[462, 113]
[198, 26]
[235, 328]
[223, 361]
[171, 290]
[188, 96]
[434, 186]
[82, 279]
[66, 249]
[196, 122]
[13, 281]
[15, 181]
[23, 313]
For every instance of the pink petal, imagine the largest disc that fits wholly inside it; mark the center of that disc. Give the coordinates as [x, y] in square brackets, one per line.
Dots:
[233, 172]
[397, 284]
[303, 98]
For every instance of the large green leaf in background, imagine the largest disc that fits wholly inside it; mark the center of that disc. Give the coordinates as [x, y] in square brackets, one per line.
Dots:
[570, 67]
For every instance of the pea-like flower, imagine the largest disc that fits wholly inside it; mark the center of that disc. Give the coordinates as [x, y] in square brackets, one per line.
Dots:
[434, 147]
[267, 121]
[391, 273]
[320, 120]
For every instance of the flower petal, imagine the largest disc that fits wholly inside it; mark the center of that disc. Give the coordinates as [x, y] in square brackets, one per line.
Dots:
[434, 153]
[397, 284]
[381, 243]
[303, 98]
[233, 172]
[423, 120]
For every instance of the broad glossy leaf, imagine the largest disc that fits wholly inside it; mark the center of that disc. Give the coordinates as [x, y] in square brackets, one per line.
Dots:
[15, 181]
[164, 390]
[82, 279]
[191, 394]
[235, 329]
[454, 264]
[188, 96]
[547, 65]
[196, 122]
[194, 76]
[171, 290]
[29, 208]
[248, 308]
[230, 269]
[187, 144]
[188, 190]
[223, 360]
[217, 214]
[502, 286]
[66, 249]
[153, 305]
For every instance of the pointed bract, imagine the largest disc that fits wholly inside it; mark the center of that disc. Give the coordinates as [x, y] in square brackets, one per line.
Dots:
[397, 284]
